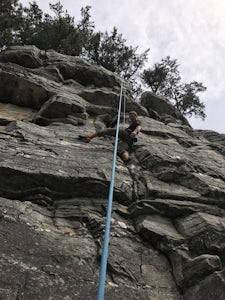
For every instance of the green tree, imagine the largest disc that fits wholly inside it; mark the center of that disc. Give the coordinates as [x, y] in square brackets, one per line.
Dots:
[32, 20]
[10, 22]
[111, 52]
[164, 79]
[56, 32]
[86, 28]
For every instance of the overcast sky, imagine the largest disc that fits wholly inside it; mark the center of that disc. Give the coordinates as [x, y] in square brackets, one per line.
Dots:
[193, 32]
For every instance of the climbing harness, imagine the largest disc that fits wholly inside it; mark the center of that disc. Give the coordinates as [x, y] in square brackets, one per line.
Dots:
[101, 287]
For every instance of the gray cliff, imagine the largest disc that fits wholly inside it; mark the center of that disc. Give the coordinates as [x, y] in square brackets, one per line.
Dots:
[168, 222]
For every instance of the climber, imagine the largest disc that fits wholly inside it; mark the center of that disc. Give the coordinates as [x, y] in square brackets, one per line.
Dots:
[127, 136]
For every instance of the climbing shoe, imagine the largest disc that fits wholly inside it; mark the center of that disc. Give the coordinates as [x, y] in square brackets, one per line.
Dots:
[84, 139]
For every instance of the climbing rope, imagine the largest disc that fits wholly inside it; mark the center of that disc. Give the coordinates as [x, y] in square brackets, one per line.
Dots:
[124, 108]
[101, 287]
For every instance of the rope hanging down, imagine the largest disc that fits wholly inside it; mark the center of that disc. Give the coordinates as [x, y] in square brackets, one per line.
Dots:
[101, 287]
[124, 107]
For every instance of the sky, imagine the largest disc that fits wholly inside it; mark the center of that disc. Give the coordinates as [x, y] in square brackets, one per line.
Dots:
[192, 32]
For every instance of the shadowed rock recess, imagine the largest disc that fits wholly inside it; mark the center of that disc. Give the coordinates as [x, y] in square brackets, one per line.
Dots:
[168, 220]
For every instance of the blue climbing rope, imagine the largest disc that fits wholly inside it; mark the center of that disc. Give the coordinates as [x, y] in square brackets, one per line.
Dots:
[101, 287]
[124, 108]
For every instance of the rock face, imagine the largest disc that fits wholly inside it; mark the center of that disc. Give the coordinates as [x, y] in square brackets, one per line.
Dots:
[168, 221]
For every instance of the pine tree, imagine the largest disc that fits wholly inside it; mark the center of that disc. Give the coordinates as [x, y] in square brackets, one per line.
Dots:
[10, 22]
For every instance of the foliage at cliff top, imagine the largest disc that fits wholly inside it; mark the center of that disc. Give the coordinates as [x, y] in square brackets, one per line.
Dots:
[30, 25]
